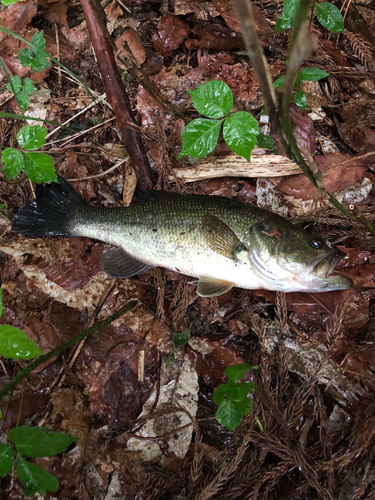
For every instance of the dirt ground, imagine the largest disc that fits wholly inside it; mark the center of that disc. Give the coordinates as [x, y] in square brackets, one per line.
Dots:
[147, 430]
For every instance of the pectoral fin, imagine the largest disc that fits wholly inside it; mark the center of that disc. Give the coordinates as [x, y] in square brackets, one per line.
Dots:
[119, 264]
[220, 238]
[210, 287]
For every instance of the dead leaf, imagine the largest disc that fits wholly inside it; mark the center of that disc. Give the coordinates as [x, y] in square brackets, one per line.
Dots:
[339, 171]
[131, 37]
[172, 31]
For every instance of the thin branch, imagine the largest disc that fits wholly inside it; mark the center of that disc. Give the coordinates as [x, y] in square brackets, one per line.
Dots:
[279, 116]
[63, 347]
[245, 15]
[116, 93]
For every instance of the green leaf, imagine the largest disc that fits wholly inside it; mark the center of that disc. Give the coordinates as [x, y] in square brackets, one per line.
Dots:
[28, 86]
[13, 162]
[32, 137]
[170, 358]
[34, 442]
[35, 479]
[228, 415]
[8, 2]
[309, 75]
[330, 17]
[14, 344]
[21, 91]
[279, 82]
[15, 84]
[245, 406]
[235, 372]
[200, 137]
[266, 142]
[240, 132]
[39, 167]
[1, 302]
[301, 100]
[25, 57]
[6, 459]
[212, 99]
[35, 57]
[220, 393]
[288, 14]
[239, 392]
[23, 100]
[180, 339]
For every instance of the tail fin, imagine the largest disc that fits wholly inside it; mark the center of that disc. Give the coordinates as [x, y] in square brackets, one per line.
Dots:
[52, 213]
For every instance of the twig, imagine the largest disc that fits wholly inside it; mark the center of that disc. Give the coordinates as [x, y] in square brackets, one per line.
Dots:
[279, 116]
[245, 15]
[117, 96]
[63, 347]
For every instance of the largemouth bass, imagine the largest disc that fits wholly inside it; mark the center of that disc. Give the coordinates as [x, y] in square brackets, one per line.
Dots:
[221, 242]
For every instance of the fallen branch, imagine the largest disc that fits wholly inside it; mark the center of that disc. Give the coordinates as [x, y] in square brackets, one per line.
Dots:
[117, 96]
[232, 165]
[63, 347]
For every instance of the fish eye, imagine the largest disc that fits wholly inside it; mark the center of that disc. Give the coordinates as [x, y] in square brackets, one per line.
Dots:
[316, 244]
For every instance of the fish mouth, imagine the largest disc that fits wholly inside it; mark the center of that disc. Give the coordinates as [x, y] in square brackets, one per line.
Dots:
[323, 266]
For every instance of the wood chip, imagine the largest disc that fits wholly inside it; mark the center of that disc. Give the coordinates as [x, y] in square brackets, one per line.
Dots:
[263, 164]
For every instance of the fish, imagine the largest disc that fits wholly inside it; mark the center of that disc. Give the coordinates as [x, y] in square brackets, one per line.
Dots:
[218, 241]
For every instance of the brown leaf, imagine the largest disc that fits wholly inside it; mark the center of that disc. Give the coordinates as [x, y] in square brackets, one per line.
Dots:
[339, 171]
[17, 17]
[131, 37]
[172, 31]
[212, 365]
[57, 13]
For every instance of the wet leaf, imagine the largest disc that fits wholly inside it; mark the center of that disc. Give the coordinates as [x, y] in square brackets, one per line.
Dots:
[8, 2]
[235, 372]
[286, 19]
[310, 75]
[14, 344]
[35, 479]
[180, 339]
[265, 141]
[212, 99]
[32, 137]
[6, 458]
[240, 131]
[228, 415]
[301, 99]
[200, 137]
[13, 162]
[238, 392]
[34, 442]
[330, 17]
[39, 167]
[279, 82]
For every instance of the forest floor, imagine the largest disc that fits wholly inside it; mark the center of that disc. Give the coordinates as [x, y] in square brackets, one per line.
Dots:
[147, 430]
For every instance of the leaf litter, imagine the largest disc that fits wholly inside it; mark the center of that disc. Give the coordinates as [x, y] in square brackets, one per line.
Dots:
[315, 384]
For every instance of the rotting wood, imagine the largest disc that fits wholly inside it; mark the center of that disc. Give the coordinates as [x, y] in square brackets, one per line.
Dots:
[262, 165]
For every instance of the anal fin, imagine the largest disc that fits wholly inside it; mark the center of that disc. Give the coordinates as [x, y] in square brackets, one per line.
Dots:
[119, 264]
[211, 287]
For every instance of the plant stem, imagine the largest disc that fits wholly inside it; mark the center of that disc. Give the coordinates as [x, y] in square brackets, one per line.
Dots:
[279, 116]
[63, 347]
